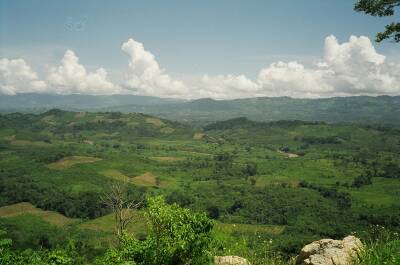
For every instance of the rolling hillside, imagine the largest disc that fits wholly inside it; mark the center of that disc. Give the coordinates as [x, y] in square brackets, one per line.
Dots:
[361, 109]
[288, 182]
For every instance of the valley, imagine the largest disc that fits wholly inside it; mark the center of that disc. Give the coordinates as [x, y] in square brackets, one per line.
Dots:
[284, 182]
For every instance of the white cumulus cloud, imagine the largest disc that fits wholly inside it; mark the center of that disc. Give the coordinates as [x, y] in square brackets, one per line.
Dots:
[294, 80]
[224, 87]
[72, 78]
[350, 68]
[145, 75]
[16, 76]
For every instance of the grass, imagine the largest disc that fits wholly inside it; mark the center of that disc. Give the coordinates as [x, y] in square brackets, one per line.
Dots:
[70, 161]
[167, 130]
[198, 136]
[155, 121]
[147, 180]
[288, 155]
[380, 193]
[30, 143]
[167, 158]
[106, 223]
[385, 250]
[115, 174]
[249, 228]
[9, 137]
[49, 119]
[186, 161]
[24, 208]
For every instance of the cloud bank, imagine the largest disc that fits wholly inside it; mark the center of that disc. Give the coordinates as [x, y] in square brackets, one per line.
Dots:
[349, 68]
[72, 78]
[16, 76]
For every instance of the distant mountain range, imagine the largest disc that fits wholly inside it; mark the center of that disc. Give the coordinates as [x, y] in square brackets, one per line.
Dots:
[358, 109]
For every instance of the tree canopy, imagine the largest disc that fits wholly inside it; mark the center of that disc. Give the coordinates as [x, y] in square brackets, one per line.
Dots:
[382, 8]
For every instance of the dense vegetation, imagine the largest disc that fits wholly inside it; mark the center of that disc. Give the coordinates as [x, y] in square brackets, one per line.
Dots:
[269, 187]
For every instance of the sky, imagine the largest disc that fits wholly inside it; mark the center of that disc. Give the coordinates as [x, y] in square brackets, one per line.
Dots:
[221, 49]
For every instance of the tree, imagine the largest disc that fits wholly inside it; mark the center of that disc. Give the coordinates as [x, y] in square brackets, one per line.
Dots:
[361, 180]
[250, 169]
[381, 8]
[177, 236]
[213, 212]
[123, 208]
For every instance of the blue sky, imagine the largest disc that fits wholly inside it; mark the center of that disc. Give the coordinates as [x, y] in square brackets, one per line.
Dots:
[187, 37]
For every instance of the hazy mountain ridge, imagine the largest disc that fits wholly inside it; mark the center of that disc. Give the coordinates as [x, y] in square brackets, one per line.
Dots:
[357, 109]
[31, 102]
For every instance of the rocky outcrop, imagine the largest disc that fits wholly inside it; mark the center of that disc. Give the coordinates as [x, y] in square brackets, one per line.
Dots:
[330, 252]
[230, 260]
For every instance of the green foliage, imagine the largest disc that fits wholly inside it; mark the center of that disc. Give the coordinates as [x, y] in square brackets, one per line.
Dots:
[383, 247]
[391, 170]
[320, 140]
[381, 8]
[65, 255]
[330, 180]
[8, 257]
[5, 244]
[363, 179]
[257, 249]
[176, 236]
[19, 189]
[250, 169]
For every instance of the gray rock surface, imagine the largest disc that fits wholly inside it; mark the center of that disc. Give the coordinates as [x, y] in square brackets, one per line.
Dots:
[330, 252]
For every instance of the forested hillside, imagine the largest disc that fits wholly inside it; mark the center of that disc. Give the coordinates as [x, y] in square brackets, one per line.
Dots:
[266, 186]
[359, 109]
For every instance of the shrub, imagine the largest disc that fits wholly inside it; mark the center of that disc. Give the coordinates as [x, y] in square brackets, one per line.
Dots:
[382, 248]
[176, 236]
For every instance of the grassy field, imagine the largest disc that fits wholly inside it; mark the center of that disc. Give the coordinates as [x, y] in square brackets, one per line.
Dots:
[25, 208]
[68, 162]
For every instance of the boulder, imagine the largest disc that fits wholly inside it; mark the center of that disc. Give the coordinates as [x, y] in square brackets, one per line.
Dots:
[330, 252]
[230, 260]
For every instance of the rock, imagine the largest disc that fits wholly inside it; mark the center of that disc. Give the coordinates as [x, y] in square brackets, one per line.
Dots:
[230, 260]
[330, 252]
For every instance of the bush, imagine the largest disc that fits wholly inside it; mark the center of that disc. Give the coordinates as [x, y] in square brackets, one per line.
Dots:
[176, 236]
[43, 257]
[383, 247]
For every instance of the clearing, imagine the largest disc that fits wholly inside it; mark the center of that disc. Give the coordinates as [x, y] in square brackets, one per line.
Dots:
[115, 174]
[289, 155]
[167, 130]
[106, 224]
[249, 228]
[155, 121]
[69, 161]
[147, 180]
[22, 208]
[167, 158]
[198, 136]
